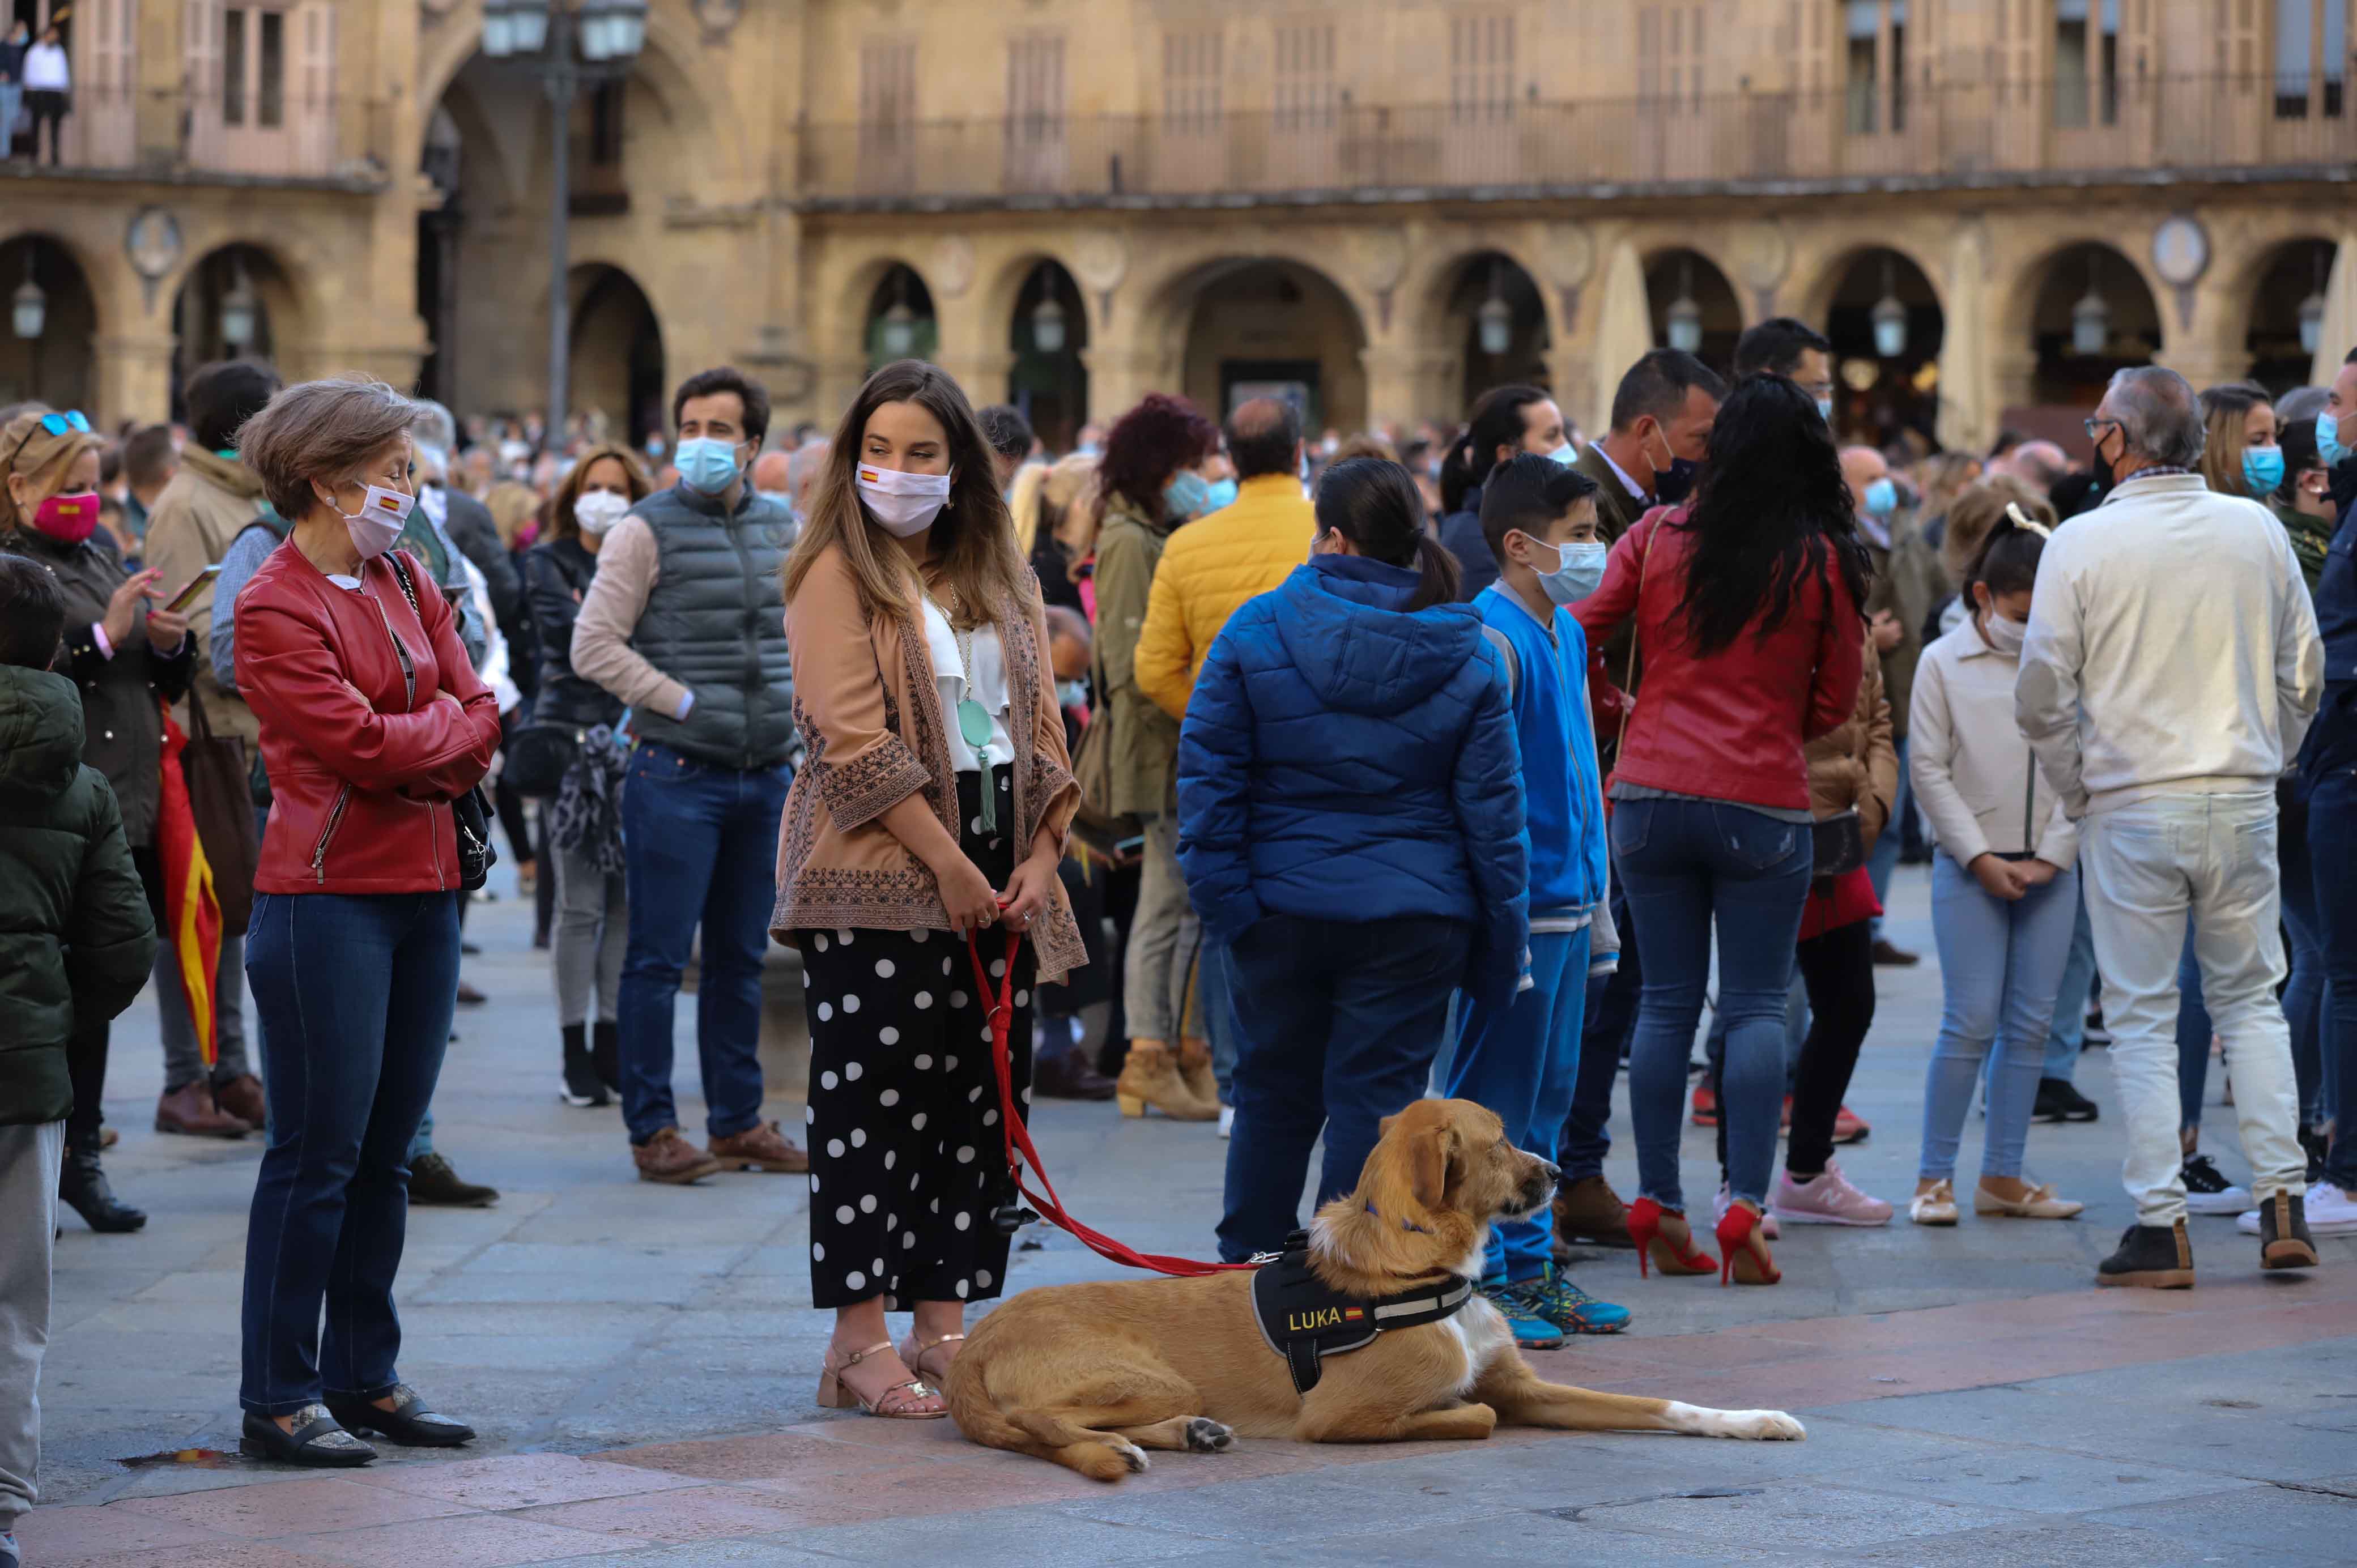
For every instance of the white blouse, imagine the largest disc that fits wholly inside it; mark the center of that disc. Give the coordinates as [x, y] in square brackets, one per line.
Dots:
[989, 662]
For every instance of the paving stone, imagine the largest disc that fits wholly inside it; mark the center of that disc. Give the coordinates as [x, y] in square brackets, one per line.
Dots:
[2262, 1518]
[1821, 1517]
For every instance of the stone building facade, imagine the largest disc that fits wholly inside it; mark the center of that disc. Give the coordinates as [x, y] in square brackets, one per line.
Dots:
[1381, 206]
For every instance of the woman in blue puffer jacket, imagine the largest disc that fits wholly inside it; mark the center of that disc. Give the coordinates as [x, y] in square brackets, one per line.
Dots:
[1350, 823]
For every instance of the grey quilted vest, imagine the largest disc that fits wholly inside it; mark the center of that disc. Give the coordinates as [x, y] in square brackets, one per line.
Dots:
[715, 623]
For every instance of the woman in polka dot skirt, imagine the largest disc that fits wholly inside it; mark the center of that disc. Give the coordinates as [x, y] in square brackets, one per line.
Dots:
[933, 807]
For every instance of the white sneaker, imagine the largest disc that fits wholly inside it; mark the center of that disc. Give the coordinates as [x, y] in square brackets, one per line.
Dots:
[2331, 1211]
[1227, 1121]
[2208, 1192]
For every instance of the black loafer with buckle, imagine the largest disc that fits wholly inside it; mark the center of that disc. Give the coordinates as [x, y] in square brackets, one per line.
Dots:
[408, 1422]
[316, 1440]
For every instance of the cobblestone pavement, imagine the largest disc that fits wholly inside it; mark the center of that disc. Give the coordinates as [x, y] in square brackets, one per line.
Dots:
[640, 1361]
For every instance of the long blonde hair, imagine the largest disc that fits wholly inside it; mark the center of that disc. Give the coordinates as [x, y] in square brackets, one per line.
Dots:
[2225, 410]
[972, 538]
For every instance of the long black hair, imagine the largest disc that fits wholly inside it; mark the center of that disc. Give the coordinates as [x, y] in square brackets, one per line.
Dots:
[1771, 509]
[1375, 504]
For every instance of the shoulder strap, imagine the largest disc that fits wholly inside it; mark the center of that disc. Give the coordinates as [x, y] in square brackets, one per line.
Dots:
[1637, 609]
[408, 590]
[1505, 647]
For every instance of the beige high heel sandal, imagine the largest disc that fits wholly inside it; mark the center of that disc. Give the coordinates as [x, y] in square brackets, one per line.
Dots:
[914, 1350]
[834, 1393]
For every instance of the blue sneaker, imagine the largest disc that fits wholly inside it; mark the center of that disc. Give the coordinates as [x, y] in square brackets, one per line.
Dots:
[1569, 1308]
[8, 1558]
[1532, 1332]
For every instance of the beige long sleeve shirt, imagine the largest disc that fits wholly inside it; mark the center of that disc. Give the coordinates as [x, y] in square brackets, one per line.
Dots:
[628, 565]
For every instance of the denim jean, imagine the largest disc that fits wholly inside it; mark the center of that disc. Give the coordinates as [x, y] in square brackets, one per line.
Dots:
[1606, 1024]
[1687, 864]
[354, 994]
[1883, 858]
[1520, 1061]
[2069, 1031]
[2332, 857]
[1346, 1015]
[2000, 963]
[1215, 986]
[701, 845]
[2148, 867]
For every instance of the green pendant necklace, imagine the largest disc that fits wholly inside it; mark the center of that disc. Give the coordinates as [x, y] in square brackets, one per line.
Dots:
[973, 721]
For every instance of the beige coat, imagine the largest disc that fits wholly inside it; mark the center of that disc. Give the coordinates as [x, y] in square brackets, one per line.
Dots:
[207, 504]
[867, 703]
[1857, 765]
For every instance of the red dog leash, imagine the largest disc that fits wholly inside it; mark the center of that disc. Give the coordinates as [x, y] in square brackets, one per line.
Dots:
[1020, 1150]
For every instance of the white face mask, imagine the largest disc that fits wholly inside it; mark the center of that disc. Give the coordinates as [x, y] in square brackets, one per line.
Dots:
[383, 515]
[904, 504]
[2003, 635]
[598, 510]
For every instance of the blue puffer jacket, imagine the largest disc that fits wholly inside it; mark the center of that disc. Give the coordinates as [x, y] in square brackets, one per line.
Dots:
[1344, 759]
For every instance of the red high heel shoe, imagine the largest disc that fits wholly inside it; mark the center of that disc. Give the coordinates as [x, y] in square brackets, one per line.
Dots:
[1663, 1236]
[1744, 1249]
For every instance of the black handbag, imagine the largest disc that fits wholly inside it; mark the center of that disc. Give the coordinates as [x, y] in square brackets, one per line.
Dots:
[1837, 844]
[539, 755]
[470, 813]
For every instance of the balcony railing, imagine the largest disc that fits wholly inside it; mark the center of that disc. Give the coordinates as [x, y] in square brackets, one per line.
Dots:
[186, 131]
[1965, 132]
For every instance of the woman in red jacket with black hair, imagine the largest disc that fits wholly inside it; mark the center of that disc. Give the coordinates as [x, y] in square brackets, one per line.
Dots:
[1745, 604]
[372, 723]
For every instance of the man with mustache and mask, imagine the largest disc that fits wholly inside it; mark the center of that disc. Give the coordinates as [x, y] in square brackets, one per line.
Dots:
[682, 622]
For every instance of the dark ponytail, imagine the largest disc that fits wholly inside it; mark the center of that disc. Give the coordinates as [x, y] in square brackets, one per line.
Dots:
[1375, 504]
[2008, 557]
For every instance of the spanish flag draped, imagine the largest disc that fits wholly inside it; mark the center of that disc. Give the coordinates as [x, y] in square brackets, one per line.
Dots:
[191, 914]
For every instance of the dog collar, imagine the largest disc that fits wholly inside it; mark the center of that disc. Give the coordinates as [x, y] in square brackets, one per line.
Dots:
[1303, 1320]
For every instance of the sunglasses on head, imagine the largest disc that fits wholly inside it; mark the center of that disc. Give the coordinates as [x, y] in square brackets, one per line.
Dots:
[72, 420]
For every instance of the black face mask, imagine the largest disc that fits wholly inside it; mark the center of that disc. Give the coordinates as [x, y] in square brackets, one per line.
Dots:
[2106, 479]
[1676, 482]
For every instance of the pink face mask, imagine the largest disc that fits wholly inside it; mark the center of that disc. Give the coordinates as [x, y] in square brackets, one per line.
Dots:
[69, 518]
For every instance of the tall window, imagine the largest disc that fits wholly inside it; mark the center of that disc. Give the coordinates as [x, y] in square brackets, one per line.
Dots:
[887, 94]
[1874, 78]
[2311, 57]
[1481, 68]
[253, 67]
[1035, 111]
[1669, 54]
[2086, 62]
[1190, 81]
[1305, 77]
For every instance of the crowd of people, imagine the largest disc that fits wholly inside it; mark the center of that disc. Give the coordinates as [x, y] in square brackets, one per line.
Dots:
[1249, 778]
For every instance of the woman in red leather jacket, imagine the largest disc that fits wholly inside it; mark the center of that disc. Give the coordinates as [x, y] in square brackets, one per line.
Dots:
[1746, 604]
[373, 722]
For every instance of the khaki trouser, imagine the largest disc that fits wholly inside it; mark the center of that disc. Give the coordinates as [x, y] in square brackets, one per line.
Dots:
[30, 1160]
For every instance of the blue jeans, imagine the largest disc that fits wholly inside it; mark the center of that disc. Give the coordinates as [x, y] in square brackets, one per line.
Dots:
[1215, 989]
[1606, 1024]
[2333, 858]
[1883, 858]
[1346, 1015]
[2000, 964]
[1521, 1061]
[700, 842]
[1687, 862]
[2069, 1030]
[353, 995]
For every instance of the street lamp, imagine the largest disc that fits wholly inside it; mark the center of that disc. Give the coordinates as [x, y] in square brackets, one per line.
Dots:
[897, 333]
[1890, 318]
[2311, 312]
[1685, 315]
[240, 311]
[31, 312]
[2091, 318]
[1496, 318]
[1047, 317]
[567, 44]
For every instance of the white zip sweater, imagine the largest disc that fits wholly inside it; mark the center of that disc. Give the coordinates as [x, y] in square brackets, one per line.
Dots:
[1972, 772]
[2171, 650]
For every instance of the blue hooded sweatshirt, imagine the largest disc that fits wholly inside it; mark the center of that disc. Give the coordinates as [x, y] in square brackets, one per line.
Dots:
[1344, 759]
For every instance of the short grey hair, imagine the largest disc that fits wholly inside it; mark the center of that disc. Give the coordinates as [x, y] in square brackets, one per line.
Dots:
[2159, 417]
[435, 424]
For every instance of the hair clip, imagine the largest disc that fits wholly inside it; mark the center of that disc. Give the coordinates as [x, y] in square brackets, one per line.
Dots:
[2023, 520]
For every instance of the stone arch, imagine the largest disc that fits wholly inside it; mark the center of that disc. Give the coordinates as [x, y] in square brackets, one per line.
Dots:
[1877, 395]
[59, 366]
[1194, 312]
[1447, 322]
[1670, 271]
[2036, 317]
[1050, 386]
[286, 327]
[1816, 303]
[616, 359]
[2262, 298]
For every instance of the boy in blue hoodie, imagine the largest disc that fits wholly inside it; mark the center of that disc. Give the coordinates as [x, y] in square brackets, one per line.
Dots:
[1520, 1059]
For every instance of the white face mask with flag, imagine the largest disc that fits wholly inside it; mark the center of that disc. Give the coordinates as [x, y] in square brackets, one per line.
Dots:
[905, 504]
[383, 515]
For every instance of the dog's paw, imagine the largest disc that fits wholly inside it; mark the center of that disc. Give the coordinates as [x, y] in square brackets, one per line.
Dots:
[1205, 1435]
[1757, 1425]
[1131, 1454]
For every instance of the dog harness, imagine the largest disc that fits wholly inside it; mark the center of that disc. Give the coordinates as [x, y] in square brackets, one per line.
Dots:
[1304, 1320]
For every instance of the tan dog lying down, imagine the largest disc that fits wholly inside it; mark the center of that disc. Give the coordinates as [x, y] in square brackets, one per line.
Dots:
[1091, 1375]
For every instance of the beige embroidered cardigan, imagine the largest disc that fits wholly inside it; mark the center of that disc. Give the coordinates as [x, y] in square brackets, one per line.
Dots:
[869, 710]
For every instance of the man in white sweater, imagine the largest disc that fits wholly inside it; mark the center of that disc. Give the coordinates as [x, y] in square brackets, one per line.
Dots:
[2170, 670]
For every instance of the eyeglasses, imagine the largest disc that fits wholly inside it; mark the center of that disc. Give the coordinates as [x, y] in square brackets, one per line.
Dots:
[2095, 427]
[52, 424]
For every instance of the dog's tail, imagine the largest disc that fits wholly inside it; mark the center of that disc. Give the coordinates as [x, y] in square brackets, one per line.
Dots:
[1043, 1435]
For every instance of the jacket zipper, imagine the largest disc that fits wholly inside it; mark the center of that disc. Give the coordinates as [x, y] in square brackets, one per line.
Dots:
[2030, 807]
[736, 527]
[335, 820]
[409, 704]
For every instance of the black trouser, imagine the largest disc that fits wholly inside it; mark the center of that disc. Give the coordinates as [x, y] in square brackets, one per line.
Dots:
[86, 1046]
[1837, 968]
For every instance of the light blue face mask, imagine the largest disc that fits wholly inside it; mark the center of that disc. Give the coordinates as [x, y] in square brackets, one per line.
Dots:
[1881, 497]
[2262, 469]
[1223, 494]
[2328, 441]
[706, 463]
[1186, 496]
[1565, 453]
[1579, 572]
[1825, 409]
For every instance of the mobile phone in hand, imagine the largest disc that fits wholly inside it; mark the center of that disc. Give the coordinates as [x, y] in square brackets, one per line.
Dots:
[203, 579]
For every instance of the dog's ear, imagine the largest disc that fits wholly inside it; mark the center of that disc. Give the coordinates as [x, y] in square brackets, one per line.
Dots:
[1429, 1155]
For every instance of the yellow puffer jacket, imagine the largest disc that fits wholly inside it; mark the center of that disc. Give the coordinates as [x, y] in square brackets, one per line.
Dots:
[1208, 569]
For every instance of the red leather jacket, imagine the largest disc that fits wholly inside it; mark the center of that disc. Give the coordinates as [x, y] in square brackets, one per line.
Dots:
[364, 754]
[1729, 727]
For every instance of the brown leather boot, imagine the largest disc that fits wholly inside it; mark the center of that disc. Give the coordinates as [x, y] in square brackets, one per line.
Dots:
[670, 1157]
[763, 1146]
[189, 1110]
[1150, 1076]
[241, 1098]
[1589, 1210]
[1067, 1075]
[1195, 1070]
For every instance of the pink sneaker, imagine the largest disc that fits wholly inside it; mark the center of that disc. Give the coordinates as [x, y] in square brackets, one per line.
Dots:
[1726, 1200]
[1828, 1200]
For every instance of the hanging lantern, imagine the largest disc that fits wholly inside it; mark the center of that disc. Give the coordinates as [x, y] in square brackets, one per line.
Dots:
[240, 312]
[898, 337]
[1048, 322]
[2311, 312]
[31, 312]
[2091, 318]
[1685, 315]
[1890, 318]
[1495, 319]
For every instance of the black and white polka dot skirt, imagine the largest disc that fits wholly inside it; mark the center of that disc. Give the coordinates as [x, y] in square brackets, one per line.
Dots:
[907, 1152]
